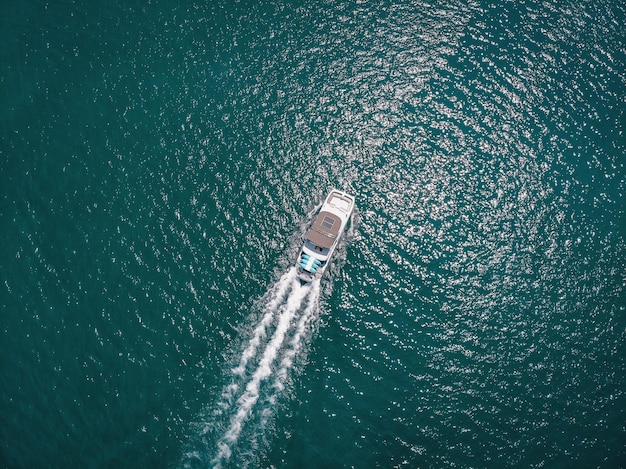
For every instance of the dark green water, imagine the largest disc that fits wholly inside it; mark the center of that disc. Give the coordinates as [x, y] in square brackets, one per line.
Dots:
[159, 163]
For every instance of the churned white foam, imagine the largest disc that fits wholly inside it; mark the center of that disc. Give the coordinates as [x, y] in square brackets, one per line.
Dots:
[277, 295]
[288, 297]
[296, 342]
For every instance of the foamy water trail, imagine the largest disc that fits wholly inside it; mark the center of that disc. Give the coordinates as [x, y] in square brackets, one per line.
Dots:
[275, 298]
[277, 295]
[296, 342]
[292, 350]
[289, 309]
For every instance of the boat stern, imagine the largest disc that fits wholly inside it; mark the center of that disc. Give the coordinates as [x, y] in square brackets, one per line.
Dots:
[309, 266]
[305, 276]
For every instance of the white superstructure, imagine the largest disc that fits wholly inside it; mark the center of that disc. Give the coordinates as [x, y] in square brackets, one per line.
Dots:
[321, 240]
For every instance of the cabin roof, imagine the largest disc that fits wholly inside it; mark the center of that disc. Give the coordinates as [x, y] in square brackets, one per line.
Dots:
[324, 230]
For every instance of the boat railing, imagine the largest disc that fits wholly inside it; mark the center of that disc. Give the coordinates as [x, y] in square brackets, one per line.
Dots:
[341, 202]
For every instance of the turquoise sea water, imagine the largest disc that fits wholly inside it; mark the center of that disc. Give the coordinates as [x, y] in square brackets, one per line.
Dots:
[160, 160]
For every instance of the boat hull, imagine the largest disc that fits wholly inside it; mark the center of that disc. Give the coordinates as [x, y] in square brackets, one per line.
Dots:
[322, 238]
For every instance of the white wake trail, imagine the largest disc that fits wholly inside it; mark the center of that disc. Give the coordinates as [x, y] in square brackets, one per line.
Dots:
[278, 293]
[293, 349]
[276, 296]
[296, 342]
[286, 306]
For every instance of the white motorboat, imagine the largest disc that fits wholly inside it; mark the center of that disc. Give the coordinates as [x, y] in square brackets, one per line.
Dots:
[322, 238]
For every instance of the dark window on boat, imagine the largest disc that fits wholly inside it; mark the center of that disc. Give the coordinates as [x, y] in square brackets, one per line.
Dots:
[328, 223]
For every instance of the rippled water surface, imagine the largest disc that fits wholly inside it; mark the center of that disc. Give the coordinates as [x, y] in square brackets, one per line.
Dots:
[159, 164]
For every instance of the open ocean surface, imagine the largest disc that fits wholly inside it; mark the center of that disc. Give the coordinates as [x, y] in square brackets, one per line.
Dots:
[160, 161]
